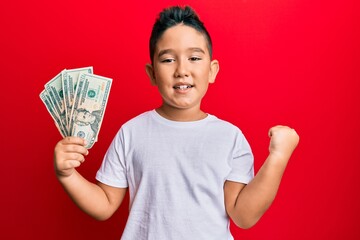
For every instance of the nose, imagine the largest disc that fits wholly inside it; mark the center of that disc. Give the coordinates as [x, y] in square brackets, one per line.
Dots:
[181, 69]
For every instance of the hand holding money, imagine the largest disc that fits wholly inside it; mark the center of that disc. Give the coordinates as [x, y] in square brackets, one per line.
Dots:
[76, 99]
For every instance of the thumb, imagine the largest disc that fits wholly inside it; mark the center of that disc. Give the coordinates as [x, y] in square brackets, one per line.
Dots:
[271, 130]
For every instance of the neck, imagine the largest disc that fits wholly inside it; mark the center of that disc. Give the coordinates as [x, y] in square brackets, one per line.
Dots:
[181, 115]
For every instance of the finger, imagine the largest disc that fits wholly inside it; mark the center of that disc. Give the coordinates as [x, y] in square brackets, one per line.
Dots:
[271, 132]
[71, 164]
[72, 148]
[69, 161]
[75, 157]
[276, 129]
[74, 140]
[70, 157]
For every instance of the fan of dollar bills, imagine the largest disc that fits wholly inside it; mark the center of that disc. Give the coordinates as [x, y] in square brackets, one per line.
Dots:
[76, 99]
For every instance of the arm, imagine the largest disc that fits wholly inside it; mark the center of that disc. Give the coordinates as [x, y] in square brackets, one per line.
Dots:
[245, 204]
[98, 200]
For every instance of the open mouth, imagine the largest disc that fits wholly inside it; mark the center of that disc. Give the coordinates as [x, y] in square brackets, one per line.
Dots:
[183, 87]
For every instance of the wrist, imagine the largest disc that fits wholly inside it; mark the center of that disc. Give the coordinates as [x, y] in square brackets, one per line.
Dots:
[278, 158]
[65, 177]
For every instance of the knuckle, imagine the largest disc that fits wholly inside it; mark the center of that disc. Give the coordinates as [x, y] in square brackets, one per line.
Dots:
[72, 148]
[59, 166]
[77, 149]
[74, 156]
[69, 164]
[57, 146]
[78, 157]
[76, 164]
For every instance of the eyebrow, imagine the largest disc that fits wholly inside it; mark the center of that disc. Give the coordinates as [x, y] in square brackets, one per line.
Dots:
[193, 49]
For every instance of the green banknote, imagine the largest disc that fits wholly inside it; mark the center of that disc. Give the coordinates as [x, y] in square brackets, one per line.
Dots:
[90, 100]
[69, 82]
[51, 109]
[55, 91]
[76, 100]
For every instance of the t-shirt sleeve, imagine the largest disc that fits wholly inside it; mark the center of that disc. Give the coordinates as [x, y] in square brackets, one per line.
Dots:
[242, 164]
[113, 168]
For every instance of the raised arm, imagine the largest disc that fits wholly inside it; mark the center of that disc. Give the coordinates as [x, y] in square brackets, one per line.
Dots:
[245, 204]
[98, 200]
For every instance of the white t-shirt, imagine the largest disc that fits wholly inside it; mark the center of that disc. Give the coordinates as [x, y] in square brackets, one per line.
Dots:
[175, 172]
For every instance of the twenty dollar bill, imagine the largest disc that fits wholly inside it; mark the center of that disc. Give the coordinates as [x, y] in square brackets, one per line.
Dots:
[69, 83]
[76, 100]
[90, 100]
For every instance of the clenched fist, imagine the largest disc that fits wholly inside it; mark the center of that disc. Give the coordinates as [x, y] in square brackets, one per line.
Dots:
[283, 141]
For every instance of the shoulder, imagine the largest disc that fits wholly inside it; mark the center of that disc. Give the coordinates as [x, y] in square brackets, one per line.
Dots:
[137, 124]
[133, 125]
[223, 125]
[138, 120]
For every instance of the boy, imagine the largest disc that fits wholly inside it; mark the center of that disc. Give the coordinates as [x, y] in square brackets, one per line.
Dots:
[187, 171]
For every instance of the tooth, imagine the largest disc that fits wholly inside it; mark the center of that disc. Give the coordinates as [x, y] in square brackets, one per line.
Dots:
[183, 87]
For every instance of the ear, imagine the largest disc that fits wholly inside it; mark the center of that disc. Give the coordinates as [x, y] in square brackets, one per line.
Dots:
[151, 74]
[214, 69]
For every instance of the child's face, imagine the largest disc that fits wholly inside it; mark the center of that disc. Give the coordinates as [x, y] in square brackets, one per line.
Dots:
[182, 68]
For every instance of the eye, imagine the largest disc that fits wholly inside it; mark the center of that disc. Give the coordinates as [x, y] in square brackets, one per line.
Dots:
[194, 59]
[167, 60]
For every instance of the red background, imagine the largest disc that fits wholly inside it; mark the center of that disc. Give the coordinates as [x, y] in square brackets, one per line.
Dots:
[282, 62]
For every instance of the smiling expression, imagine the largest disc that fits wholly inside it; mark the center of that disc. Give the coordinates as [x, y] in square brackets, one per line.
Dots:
[182, 68]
